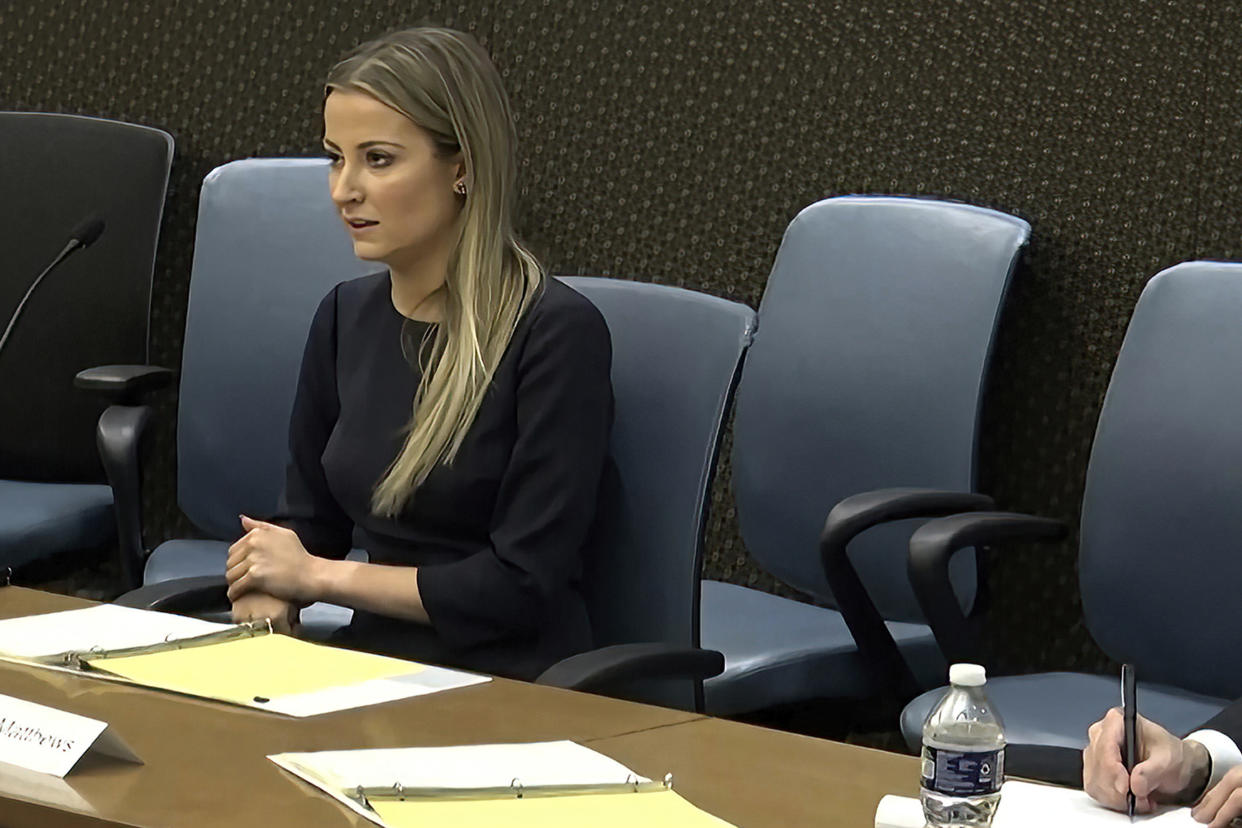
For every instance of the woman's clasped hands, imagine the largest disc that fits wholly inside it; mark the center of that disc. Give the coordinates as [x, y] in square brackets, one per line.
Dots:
[270, 574]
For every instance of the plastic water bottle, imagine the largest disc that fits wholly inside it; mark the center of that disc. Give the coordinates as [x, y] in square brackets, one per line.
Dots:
[963, 754]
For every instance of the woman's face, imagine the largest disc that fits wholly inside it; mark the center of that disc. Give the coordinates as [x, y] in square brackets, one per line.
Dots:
[394, 193]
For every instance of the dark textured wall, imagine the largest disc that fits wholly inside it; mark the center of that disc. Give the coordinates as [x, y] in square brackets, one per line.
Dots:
[673, 142]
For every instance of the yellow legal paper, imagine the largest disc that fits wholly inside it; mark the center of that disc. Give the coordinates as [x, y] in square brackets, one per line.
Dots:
[252, 670]
[655, 809]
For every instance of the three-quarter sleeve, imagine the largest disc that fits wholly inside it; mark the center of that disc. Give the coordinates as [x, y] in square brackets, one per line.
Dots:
[306, 505]
[548, 494]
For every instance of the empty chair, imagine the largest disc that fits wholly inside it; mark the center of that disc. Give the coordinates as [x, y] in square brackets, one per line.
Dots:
[675, 358]
[866, 373]
[56, 171]
[1158, 545]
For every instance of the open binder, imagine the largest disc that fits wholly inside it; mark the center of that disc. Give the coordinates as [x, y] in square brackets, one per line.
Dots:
[546, 784]
[244, 664]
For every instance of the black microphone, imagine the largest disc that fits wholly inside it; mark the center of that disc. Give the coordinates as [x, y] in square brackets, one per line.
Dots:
[82, 236]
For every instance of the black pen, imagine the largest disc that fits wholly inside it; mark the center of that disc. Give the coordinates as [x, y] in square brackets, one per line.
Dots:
[1129, 713]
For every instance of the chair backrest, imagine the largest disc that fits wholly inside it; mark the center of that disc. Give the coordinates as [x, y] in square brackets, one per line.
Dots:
[1161, 540]
[56, 171]
[269, 246]
[676, 356]
[866, 372]
[675, 360]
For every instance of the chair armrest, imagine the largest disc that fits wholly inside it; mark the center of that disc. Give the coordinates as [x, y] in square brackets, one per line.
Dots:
[848, 519]
[123, 384]
[605, 668]
[119, 436]
[931, 547]
[184, 596]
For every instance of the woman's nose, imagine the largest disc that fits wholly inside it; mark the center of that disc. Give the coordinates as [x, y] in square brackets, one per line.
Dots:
[344, 185]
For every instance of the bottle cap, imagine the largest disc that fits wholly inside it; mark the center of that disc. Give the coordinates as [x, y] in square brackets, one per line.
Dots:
[968, 675]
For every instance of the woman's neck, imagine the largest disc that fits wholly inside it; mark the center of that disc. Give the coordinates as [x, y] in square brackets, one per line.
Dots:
[417, 288]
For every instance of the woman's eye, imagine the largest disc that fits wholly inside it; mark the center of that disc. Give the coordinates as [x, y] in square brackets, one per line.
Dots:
[333, 158]
[378, 159]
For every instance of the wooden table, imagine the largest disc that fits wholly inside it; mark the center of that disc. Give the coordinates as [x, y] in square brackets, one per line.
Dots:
[205, 762]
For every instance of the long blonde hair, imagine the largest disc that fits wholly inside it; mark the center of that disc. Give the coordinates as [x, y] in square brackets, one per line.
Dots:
[444, 82]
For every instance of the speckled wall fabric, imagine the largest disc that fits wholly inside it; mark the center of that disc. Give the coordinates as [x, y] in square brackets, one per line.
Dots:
[673, 142]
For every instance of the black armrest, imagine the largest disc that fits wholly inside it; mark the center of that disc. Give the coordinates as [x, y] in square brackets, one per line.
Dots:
[123, 384]
[119, 437]
[931, 547]
[847, 520]
[184, 596]
[605, 668]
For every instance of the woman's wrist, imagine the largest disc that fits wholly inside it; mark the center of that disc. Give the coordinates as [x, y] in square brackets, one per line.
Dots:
[318, 580]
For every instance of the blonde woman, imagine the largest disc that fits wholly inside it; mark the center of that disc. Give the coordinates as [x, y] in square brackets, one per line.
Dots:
[453, 411]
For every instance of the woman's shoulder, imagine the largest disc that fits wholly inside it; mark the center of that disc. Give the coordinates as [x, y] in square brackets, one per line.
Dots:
[353, 297]
[560, 307]
[362, 290]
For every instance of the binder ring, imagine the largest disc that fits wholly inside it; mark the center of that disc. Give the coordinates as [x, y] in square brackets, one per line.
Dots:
[516, 786]
[632, 781]
[668, 780]
[8, 576]
[400, 789]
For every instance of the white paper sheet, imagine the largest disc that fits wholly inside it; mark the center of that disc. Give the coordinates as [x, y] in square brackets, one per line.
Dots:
[460, 767]
[377, 691]
[105, 626]
[465, 767]
[1026, 805]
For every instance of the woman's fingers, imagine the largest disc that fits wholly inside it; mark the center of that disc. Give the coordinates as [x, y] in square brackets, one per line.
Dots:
[241, 586]
[235, 571]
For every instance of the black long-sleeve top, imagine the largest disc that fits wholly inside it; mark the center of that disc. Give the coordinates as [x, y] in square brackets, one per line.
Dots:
[500, 535]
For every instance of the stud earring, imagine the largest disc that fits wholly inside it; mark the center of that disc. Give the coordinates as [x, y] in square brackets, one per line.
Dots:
[460, 188]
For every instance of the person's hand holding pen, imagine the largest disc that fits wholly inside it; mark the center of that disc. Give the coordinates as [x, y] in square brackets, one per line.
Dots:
[1169, 770]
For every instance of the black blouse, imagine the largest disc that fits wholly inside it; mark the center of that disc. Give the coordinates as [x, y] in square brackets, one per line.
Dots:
[499, 535]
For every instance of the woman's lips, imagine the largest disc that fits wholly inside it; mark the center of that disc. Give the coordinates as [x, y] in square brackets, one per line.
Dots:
[360, 225]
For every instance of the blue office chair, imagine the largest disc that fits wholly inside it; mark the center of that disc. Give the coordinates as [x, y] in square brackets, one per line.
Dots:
[675, 360]
[866, 373]
[55, 172]
[268, 247]
[1158, 557]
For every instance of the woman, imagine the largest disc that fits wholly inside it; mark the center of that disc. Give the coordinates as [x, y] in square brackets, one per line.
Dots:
[452, 412]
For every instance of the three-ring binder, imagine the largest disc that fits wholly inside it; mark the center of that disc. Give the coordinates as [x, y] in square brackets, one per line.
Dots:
[80, 659]
[364, 795]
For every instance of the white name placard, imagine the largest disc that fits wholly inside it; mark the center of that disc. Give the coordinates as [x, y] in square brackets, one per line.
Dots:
[48, 740]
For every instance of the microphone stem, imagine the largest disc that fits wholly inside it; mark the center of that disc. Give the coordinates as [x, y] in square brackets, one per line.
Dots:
[72, 245]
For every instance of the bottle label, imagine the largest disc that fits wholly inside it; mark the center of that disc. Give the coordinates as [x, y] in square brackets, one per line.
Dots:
[959, 773]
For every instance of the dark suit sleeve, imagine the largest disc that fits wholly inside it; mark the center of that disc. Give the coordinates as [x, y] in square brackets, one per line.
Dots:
[548, 493]
[306, 505]
[1227, 721]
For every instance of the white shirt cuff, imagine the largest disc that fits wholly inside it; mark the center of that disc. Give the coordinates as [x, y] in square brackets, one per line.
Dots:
[1222, 749]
